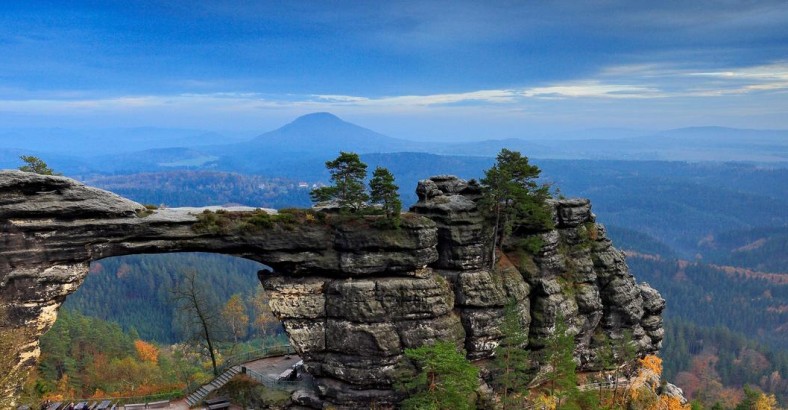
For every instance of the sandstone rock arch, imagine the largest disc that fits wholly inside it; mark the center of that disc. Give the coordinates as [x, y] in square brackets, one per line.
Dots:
[351, 296]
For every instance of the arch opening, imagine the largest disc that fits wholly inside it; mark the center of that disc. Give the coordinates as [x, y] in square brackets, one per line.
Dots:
[155, 349]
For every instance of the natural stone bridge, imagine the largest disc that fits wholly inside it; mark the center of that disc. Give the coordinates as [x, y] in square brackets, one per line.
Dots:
[351, 296]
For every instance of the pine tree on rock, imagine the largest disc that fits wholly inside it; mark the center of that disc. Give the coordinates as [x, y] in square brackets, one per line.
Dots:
[512, 362]
[383, 191]
[512, 198]
[347, 173]
[36, 165]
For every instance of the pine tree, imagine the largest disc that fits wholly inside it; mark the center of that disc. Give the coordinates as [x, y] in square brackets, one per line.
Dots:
[559, 349]
[445, 379]
[383, 191]
[625, 353]
[512, 362]
[347, 173]
[35, 164]
[512, 197]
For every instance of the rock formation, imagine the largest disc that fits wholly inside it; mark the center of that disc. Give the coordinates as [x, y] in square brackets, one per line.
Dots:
[351, 296]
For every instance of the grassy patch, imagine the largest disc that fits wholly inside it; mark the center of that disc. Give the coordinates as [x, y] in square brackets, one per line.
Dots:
[224, 222]
[227, 222]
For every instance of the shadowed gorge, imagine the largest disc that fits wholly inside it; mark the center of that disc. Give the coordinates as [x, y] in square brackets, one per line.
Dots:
[351, 295]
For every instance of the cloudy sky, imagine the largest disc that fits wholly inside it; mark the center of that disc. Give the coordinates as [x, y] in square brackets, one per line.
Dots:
[412, 69]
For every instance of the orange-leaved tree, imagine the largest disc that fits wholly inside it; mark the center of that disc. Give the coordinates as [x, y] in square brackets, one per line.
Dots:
[146, 351]
[652, 363]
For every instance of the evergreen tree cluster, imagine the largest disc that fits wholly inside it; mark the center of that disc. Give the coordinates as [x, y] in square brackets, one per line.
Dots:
[348, 190]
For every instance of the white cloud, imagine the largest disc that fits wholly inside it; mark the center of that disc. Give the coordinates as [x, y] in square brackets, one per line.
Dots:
[593, 89]
[482, 96]
[644, 88]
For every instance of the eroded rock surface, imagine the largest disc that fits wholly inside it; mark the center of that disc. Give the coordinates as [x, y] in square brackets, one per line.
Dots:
[351, 296]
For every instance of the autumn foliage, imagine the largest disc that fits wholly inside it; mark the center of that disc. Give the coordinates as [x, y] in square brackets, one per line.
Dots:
[652, 363]
[146, 351]
[669, 403]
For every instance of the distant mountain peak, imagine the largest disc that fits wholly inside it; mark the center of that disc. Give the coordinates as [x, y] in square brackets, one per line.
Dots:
[317, 118]
[321, 134]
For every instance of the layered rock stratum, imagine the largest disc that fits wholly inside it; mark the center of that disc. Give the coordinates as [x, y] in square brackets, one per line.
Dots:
[351, 295]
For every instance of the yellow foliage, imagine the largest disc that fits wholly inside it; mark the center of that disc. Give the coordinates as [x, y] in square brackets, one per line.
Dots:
[652, 363]
[670, 403]
[765, 402]
[264, 318]
[146, 351]
[545, 402]
[234, 314]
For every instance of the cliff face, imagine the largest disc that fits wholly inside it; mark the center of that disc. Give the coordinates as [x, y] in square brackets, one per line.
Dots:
[576, 274]
[351, 296]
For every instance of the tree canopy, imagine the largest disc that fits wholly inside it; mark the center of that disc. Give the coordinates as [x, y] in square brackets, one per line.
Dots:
[512, 197]
[37, 165]
[383, 191]
[350, 194]
[445, 379]
[347, 173]
[512, 363]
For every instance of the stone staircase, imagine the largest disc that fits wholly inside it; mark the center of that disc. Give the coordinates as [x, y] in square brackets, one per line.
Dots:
[203, 392]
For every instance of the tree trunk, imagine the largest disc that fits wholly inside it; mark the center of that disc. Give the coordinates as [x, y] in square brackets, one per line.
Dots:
[205, 328]
[208, 341]
[495, 235]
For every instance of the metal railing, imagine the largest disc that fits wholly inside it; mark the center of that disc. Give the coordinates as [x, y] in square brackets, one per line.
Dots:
[246, 357]
[275, 383]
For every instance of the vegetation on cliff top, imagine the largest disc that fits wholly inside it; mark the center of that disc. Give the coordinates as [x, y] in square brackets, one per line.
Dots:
[36, 165]
[350, 195]
[512, 199]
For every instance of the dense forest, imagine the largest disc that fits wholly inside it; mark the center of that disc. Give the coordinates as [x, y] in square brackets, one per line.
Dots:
[88, 357]
[136, 291]
[713, 364]
[192, 188]
[706, 295]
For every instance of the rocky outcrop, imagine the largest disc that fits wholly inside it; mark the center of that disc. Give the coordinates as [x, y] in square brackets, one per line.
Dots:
[575, 275]
[351, 295]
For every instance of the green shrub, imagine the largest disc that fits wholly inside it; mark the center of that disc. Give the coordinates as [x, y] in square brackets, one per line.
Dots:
[531, 244]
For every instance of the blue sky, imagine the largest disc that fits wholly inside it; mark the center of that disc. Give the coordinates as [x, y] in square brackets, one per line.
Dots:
[413, 69]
